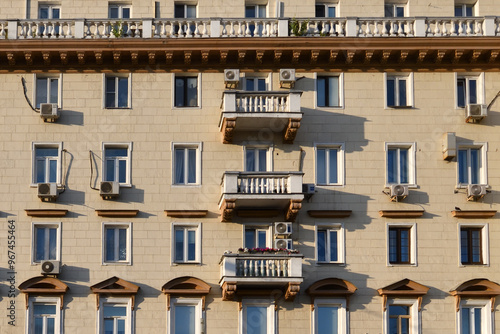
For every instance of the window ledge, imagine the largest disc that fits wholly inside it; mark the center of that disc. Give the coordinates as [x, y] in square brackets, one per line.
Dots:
[117, 108]
[193, 107]
[116, 264]
[474, 265]
[186, 263]
[402, 265]
[186, 185]
[339, 264]
[46, 212]
[401, 213]
[482, 214]
[186, 213]
[400, 107]
[117, 213]
[410, 185]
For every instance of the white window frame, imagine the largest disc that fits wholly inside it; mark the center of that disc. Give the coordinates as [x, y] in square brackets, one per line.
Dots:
[127, 302]
[341, 89]
[467, 3]
[257, 5]
[266, 228]
[199, 148]
[58, 323]
[269, 155]
[412, 166]
[199, 90]
[328, 5]
[480, 93]
[487, 315]
[415, 314]
[129, 90]
[339, 227]
[483, 169]
[48, 77]
[266, 76]
[343, 314]
[115, 225]
[413, 244]
[340, 163]
[186, 4]
[128, 159]
[271, 314]
[199, 313]
[50, 6]
[485, 244]
[36, 225]
[34, 146]
[120, 6]
[186, 227]
[396, 4]
[410, 103]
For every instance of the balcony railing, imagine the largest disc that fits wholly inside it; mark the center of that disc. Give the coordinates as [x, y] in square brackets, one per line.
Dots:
[261, 102]
[262, 182]
[250, 27]
[261, 265]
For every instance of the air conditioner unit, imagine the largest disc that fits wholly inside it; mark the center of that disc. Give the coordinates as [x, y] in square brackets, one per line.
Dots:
[110, 189]
[284, 228]
[283, 243]
[475, 191]
[51, 268]
[399, 191]
[49, 112]
[47, 191]
[308, 188]
[287, 77]
[231, 77]
[475, 112]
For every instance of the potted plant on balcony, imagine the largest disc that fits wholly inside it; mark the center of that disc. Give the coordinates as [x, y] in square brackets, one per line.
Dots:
[267, 250]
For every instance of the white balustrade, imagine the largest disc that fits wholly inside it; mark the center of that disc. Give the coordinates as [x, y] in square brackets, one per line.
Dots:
[181, 28]
[249, 27]
[257, 102]
[3, 29]
[262, 267]
[327, 27]
[383, 27]
[454, 26]
[263, 184]
[113, 28]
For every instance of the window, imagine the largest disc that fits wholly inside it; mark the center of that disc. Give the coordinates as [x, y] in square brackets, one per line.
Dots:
[119, 11]
[257, 237]
[44, 315]
[401, 163]
[186, 91]
[470, 90]
[474, 244]
[330, 316]
[117, 242]
[330, 243]
[116, 162]
[399, 89]
[258, 159]
[47, 89]
[329, 164]
[401, 248]
[326, 10]
[49, 12]
[258, 316]
[186, 243]
[472, 165]
[115, 316]
[475, 316]
[464, 10]
[394, 10]
[187, 164]
[117, 91]
[401, 316]
[256, 11]
[184, 11]
[256, 83]
[46, 163]
[185, 316]
[329, 91]
[46, 238]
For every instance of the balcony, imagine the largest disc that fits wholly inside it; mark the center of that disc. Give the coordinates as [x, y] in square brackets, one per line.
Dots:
[260, 112]
[261, 194]
[254, 274]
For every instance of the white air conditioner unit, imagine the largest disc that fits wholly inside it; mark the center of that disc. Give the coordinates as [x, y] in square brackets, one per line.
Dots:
[231, 77]
[399, 191]
[475, 112]
[47, 191]
[110, 189]
[287, 77]
[475, 191]
[282, 228]
[283, 243]
[49, 112]
[51, 268]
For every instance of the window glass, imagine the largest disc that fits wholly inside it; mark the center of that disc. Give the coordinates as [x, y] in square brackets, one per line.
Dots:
[116, 164]
[184, 319]
[399, 319]
[328, 91]
[186, 91]
[328, 321]
[186, 165]
[321, 246]
[46, 164]
[256, 320]
[399, 245]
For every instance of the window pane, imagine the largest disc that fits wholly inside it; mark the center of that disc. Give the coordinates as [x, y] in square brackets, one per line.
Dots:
[39, 326]
[250, 160]
[468, 11]
[328, 322]
[402, 92]
[391, 99]
[110, 170]
[43, 13]
[405, 246]
[52, 243]
[472, 91]
[190, 11]
[54, 87]
[261, 85]
[56, 13]
[110, 92]
[466, 321]
[110, 244]
[405, 326]
[333, 91]
[474, 166]
[191, 245]
[184, 319]
[126, 13]
[250, 238]
[462, 167]
[389, 10]
[321, 91]
[458, 11]
[192, 92]
[262, 160]
[191, 165]
[400, 11]
[122, 246]
[331, 11]
[116, 152]
[179, 11]
[399, 310]
[122, 92]
[320, 10]
[321, 166]
[46, 152]
[179, 245]
[41, 91]
[249, 11]
[333, 246]
[40, 244]
[52, 171]
[249, 84]
[464, 246]
[121, 326]
[122, 171]
[392, 167]
[321, 245]
[333, 164]
[256, 322]
[44, 309]
[403, 161]
[262, 11]
[262, 236]
[50, 325]
[179, 166]
[476, 246]
[393, 246]
[40, 171]
[461, 93]
[179, 92]
[113, 12]
[477, 320]
[115, 311]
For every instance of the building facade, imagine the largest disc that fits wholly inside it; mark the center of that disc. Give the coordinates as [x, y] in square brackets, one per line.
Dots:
[249, 167]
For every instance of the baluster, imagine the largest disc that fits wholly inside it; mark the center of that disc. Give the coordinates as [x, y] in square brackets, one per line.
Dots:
[189, 32]
[283, 185]
[245, 267]
[106, 33]
[444, 30]
[251, 185]
[453, 28]
[384, 28]
[368, 30]
[245, 103]
[250, 103]
[469, 30]
[265, 29]
[137, 32]
[286, 273]
[400, 28]
[2, 31]
[196, 32]
[262, 268]
[376, 30]
[232, 29]
[271, 185]
[460, 27]
[224, 31]
[247, 30]
[497, 30]
[252, 268]
[205, 30]
[437, 31]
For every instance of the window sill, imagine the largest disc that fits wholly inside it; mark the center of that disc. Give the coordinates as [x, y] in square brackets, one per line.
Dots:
[399, 107]
[34, 185]
[186, 263]
[466, 185]
[330, 184]
[473, 265]
[117, 108]
[178, 185]
[340, 264]
[328, 108]
[410, 185]
[401, 265]
[116, 264]
[187, 107]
